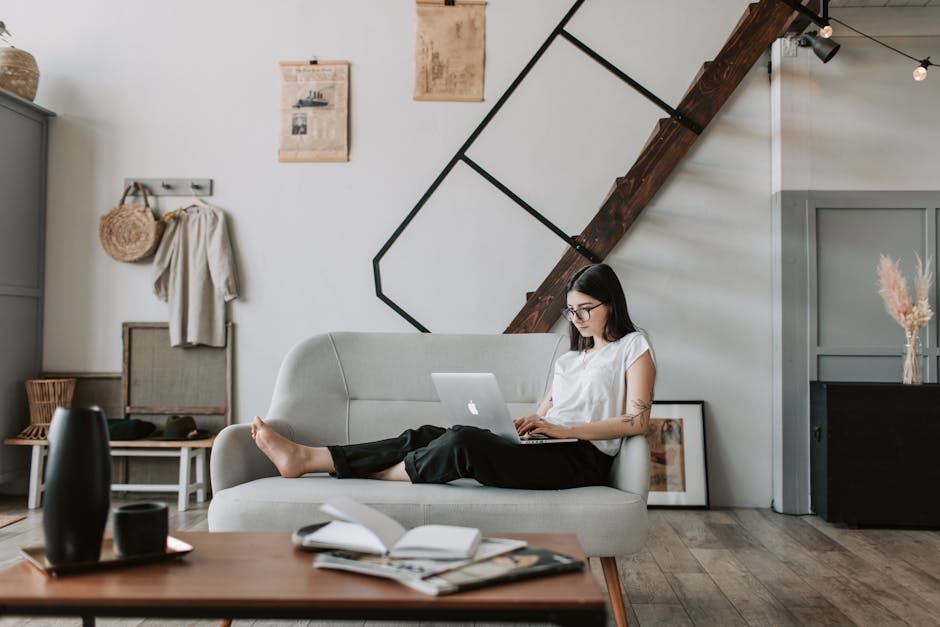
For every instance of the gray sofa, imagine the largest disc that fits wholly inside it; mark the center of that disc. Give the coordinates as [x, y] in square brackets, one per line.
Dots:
[352, 387]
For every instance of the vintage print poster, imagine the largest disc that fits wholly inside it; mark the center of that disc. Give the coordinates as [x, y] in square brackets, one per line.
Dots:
[678, 468]
[449, 45]
[667, 455]
[314, 111]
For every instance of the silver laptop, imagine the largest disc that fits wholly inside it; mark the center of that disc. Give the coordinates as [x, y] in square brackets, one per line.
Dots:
[474, 399]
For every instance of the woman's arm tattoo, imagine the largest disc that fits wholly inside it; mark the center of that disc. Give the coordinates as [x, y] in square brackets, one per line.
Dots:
[642, 409]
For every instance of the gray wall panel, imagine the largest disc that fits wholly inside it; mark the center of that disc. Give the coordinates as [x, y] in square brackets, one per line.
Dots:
[848, 245]
[23, 129]
[829, 321]
[883, 368]
[19, 328]
[22, 185]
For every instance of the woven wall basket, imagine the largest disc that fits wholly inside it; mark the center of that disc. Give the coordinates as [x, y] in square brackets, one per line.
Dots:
[44, 396]
[129, 232]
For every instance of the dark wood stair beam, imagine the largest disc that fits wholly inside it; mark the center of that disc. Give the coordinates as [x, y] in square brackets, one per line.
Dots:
[760, 25]
[801, 22]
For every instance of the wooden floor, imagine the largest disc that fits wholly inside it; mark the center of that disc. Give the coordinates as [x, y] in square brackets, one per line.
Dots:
[722, 568]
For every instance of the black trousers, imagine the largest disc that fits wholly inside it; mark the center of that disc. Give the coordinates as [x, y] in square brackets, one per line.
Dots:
[437, 455]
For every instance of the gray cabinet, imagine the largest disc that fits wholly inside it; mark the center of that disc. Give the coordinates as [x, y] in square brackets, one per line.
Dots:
[23, 140]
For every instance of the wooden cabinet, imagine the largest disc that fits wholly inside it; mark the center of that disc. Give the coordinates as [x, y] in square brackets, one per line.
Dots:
[875, 453]
[23, 139]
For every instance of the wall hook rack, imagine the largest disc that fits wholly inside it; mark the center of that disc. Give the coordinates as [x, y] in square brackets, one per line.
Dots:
[173, 187]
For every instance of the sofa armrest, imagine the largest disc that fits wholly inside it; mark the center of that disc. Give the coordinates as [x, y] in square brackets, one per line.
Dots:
[631, 468]
[236, 459]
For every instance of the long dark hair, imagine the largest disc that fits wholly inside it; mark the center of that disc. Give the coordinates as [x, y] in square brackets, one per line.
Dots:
[600, 281]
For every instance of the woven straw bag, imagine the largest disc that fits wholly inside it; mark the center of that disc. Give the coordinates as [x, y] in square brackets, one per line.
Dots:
[130, 232]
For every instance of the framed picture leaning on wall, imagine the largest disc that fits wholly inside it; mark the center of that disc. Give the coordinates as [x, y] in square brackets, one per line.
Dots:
[678, 469]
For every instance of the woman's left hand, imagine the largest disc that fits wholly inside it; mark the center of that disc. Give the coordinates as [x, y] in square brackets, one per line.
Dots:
[551, 430]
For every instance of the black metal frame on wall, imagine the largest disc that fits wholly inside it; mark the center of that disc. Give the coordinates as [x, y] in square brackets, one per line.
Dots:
[461, 156]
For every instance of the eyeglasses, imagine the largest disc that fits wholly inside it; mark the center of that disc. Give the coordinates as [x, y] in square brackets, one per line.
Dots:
[581, 313]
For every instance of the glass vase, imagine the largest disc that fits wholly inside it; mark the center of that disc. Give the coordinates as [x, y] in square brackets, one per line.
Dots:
[912, 374]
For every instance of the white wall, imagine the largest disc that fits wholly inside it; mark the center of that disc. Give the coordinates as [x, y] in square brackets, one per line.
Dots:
[191, 89]
[861, 122]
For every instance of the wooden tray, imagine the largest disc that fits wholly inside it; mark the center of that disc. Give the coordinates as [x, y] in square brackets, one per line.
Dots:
[109, 559]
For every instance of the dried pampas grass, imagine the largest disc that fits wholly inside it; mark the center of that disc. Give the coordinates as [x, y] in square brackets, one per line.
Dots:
[911, 313]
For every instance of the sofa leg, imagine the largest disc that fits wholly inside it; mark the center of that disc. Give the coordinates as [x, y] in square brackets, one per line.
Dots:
[225, 622]
[612, 579]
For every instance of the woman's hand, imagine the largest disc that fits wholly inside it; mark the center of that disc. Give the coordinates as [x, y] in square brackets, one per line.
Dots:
[552, 430]
[526, 423]
[533, 424]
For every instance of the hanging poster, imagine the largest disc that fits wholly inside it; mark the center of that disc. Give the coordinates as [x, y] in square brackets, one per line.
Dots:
[449, 45]
[314, 111]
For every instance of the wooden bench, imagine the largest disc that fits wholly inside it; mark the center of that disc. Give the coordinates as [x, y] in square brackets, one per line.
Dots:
[186, 450]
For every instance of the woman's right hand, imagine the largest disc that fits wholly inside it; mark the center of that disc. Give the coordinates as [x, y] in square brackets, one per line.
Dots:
[526, 423]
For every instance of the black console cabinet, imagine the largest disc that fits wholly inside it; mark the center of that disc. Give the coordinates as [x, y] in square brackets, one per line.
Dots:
[875, 453]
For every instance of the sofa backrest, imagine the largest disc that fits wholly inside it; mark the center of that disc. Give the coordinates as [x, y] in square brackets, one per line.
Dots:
[339, 388]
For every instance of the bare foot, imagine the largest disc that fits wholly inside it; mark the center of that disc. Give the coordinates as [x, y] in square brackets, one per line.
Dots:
[290, 458]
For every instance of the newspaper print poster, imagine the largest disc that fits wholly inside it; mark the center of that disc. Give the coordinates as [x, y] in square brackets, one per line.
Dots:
[449, 50]
[667, 454]
[314, 111]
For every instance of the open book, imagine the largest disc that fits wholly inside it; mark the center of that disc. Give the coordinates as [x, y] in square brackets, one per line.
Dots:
[363, 529]
[409, 569]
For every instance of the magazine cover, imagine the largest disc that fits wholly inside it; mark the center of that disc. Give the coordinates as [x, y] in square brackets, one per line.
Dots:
[520, 564]
[414, 568]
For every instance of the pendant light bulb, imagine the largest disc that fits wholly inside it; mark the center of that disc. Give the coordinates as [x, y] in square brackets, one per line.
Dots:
[825, 32]
[920, 72]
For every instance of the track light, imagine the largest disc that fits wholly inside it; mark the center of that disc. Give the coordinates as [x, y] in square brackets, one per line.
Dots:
[824, 48]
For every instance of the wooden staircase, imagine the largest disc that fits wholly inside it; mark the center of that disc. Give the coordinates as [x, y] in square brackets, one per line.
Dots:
[757, 29]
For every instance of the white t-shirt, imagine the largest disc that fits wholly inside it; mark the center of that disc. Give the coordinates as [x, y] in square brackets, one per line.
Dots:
[590, 386]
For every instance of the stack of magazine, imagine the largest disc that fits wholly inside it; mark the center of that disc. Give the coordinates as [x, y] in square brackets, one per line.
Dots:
[433, 559]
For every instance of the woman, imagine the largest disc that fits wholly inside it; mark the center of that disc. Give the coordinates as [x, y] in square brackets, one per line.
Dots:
[602, 391]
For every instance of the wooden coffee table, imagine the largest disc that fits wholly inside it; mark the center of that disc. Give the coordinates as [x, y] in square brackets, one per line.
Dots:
[261, 575]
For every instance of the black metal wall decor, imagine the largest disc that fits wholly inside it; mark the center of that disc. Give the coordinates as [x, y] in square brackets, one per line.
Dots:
[461, 156]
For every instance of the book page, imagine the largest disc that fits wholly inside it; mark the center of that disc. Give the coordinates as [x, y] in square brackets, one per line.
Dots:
[437, 540]
[386, 528]
[350, 536]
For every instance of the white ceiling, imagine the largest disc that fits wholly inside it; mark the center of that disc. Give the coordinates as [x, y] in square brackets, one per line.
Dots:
[884, 3]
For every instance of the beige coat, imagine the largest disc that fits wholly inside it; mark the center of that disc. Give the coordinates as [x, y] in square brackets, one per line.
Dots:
[194, 271]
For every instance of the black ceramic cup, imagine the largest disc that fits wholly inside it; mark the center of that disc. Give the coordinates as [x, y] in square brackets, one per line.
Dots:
[140, 528]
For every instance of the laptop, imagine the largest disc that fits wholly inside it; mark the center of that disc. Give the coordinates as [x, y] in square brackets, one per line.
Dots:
[474, 399]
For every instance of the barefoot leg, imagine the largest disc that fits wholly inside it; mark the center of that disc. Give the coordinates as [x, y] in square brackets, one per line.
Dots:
[290, 458]
[392, 473]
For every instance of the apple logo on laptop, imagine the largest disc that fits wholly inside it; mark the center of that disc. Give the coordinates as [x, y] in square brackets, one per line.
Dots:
[472, 408]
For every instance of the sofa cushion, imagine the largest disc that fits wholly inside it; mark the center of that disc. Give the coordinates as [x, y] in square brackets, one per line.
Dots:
[354, 387]
[616, 520]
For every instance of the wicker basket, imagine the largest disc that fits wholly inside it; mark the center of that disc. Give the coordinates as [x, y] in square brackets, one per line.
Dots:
[129, 232]
[44, 396]
[19, 72]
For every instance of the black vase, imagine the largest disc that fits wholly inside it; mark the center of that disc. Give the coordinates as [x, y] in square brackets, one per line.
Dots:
[78, 486]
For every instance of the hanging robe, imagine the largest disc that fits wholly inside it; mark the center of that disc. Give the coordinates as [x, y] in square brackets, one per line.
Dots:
[194, 271]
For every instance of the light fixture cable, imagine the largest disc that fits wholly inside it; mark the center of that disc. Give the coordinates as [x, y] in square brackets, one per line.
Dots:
[826, 52]
[901, 52]
[920, 72]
